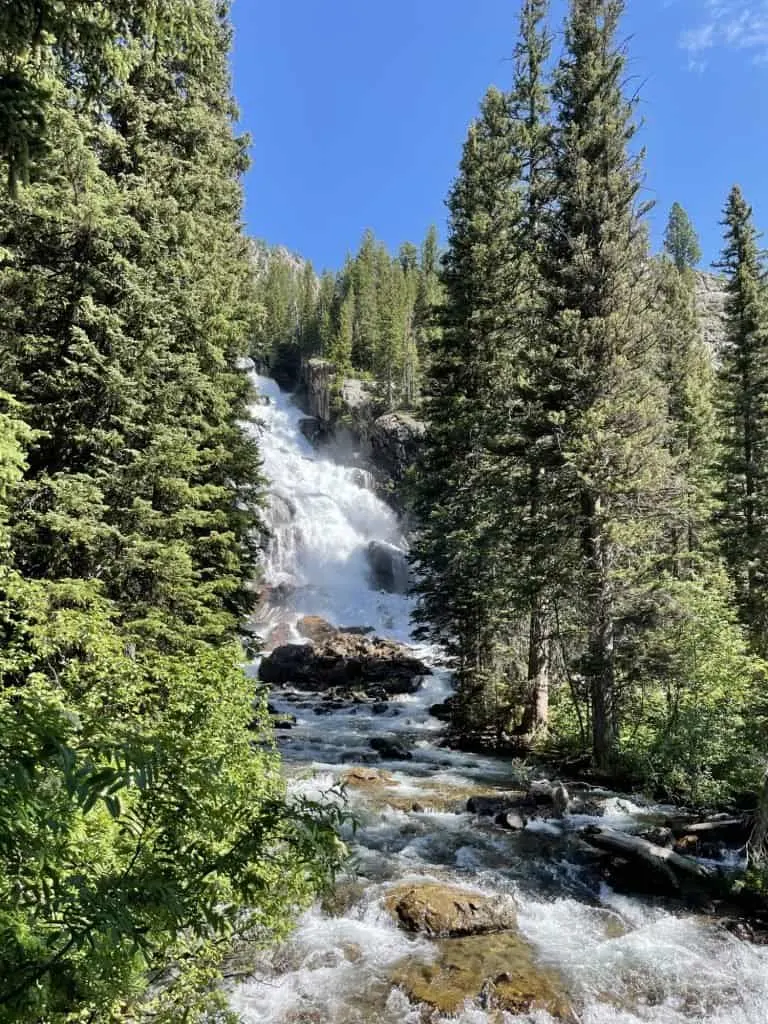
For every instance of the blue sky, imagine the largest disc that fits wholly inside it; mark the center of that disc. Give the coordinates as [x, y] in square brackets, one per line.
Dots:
[358, 109]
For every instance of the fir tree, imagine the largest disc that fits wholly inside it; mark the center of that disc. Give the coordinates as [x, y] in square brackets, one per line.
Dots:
[688, 372]
[743, 385]
[461, 579]
[605, 406]
[681, 243]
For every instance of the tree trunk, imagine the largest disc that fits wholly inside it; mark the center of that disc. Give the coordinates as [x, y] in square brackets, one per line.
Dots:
[600, 668]
[757, 847]
[536, 715]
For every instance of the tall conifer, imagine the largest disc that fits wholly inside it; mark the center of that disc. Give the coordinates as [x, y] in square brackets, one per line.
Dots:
[606, 407]
[743, 386]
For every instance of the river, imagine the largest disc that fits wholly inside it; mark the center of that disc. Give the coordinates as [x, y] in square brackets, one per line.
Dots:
[622, 959]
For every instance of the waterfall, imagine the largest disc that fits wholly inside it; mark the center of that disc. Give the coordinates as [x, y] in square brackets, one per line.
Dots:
[324, 519]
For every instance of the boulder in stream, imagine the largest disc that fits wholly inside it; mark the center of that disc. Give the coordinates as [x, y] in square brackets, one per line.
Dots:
[499, 970]
[316, 629]
[347, 663]
[391, 750]
[447, 910]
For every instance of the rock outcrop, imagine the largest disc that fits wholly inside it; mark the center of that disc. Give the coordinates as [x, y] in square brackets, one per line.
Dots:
[500, 970]
[480, 954]
[448, 911]
[710, 302]
[388, 566]
[389, 439]
[345, 662]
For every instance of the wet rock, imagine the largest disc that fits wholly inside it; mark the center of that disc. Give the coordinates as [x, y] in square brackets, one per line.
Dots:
[359, 757]
[364, 479]
[540, 790]
[395, 439]
[389, 567]
[418, 808]
[380, 708]
[443, 712]
[591, 808]
[375, 667]
[278, 636]
[491, 806]
[498, 970]
[316, 629]
[446, 910]
[391, 750]
[659, 835]
[367, 779]
[560, 799]
[514, 821]
[356, 630]
[312, 429]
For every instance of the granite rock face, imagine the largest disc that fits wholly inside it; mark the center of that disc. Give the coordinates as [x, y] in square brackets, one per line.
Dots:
[710, 301]
[389, 440]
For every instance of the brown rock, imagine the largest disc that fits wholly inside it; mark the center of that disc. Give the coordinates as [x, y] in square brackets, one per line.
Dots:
[445, 910]
[367, 778]
[316, 629]
[500, 969]
[374, 666]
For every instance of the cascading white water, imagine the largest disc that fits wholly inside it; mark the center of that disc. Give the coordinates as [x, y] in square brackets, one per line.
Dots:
[323, 516]
[623, 960]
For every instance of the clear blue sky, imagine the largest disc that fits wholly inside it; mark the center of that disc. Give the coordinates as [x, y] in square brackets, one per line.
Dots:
[358, 109]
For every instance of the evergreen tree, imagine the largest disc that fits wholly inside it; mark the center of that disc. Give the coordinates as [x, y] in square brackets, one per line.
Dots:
[743, 386]
[537, 552]
[365, 285]
[460, 577]
[681, 243]
[605, 405]
[142, 820]
[326, 304]
[688, 372]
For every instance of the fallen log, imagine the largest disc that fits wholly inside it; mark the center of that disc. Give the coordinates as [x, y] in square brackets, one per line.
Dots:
[717, 828]
[662, 861]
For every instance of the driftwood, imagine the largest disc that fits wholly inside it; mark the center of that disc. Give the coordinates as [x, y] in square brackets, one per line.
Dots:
[674, 867]
[757, 847]
[734, 830]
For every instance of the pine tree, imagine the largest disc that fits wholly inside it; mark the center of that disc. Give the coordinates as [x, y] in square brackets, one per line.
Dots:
[743, 385]
[605, 405]
[365, 284]
[688, 372]
[326, 304]
[461, 578]
[681, 243]
[536, 552]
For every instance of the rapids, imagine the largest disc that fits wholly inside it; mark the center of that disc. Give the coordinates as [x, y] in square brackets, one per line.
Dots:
[623, 960]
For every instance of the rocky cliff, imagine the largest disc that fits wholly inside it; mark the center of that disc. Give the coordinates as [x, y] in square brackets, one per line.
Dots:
[710, 300]
[356, 419]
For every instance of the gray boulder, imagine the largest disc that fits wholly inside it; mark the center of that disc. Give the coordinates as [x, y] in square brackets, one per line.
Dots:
[389, 567]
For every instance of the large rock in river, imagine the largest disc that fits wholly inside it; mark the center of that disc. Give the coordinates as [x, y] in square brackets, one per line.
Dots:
[346, 662]
[498, 970]
[446, 910]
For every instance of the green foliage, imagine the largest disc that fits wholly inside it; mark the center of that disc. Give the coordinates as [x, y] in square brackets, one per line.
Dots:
[697, 719]
[681, 243]
[742, 386]
[372, 319]
[688, 372]
[144, 824]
